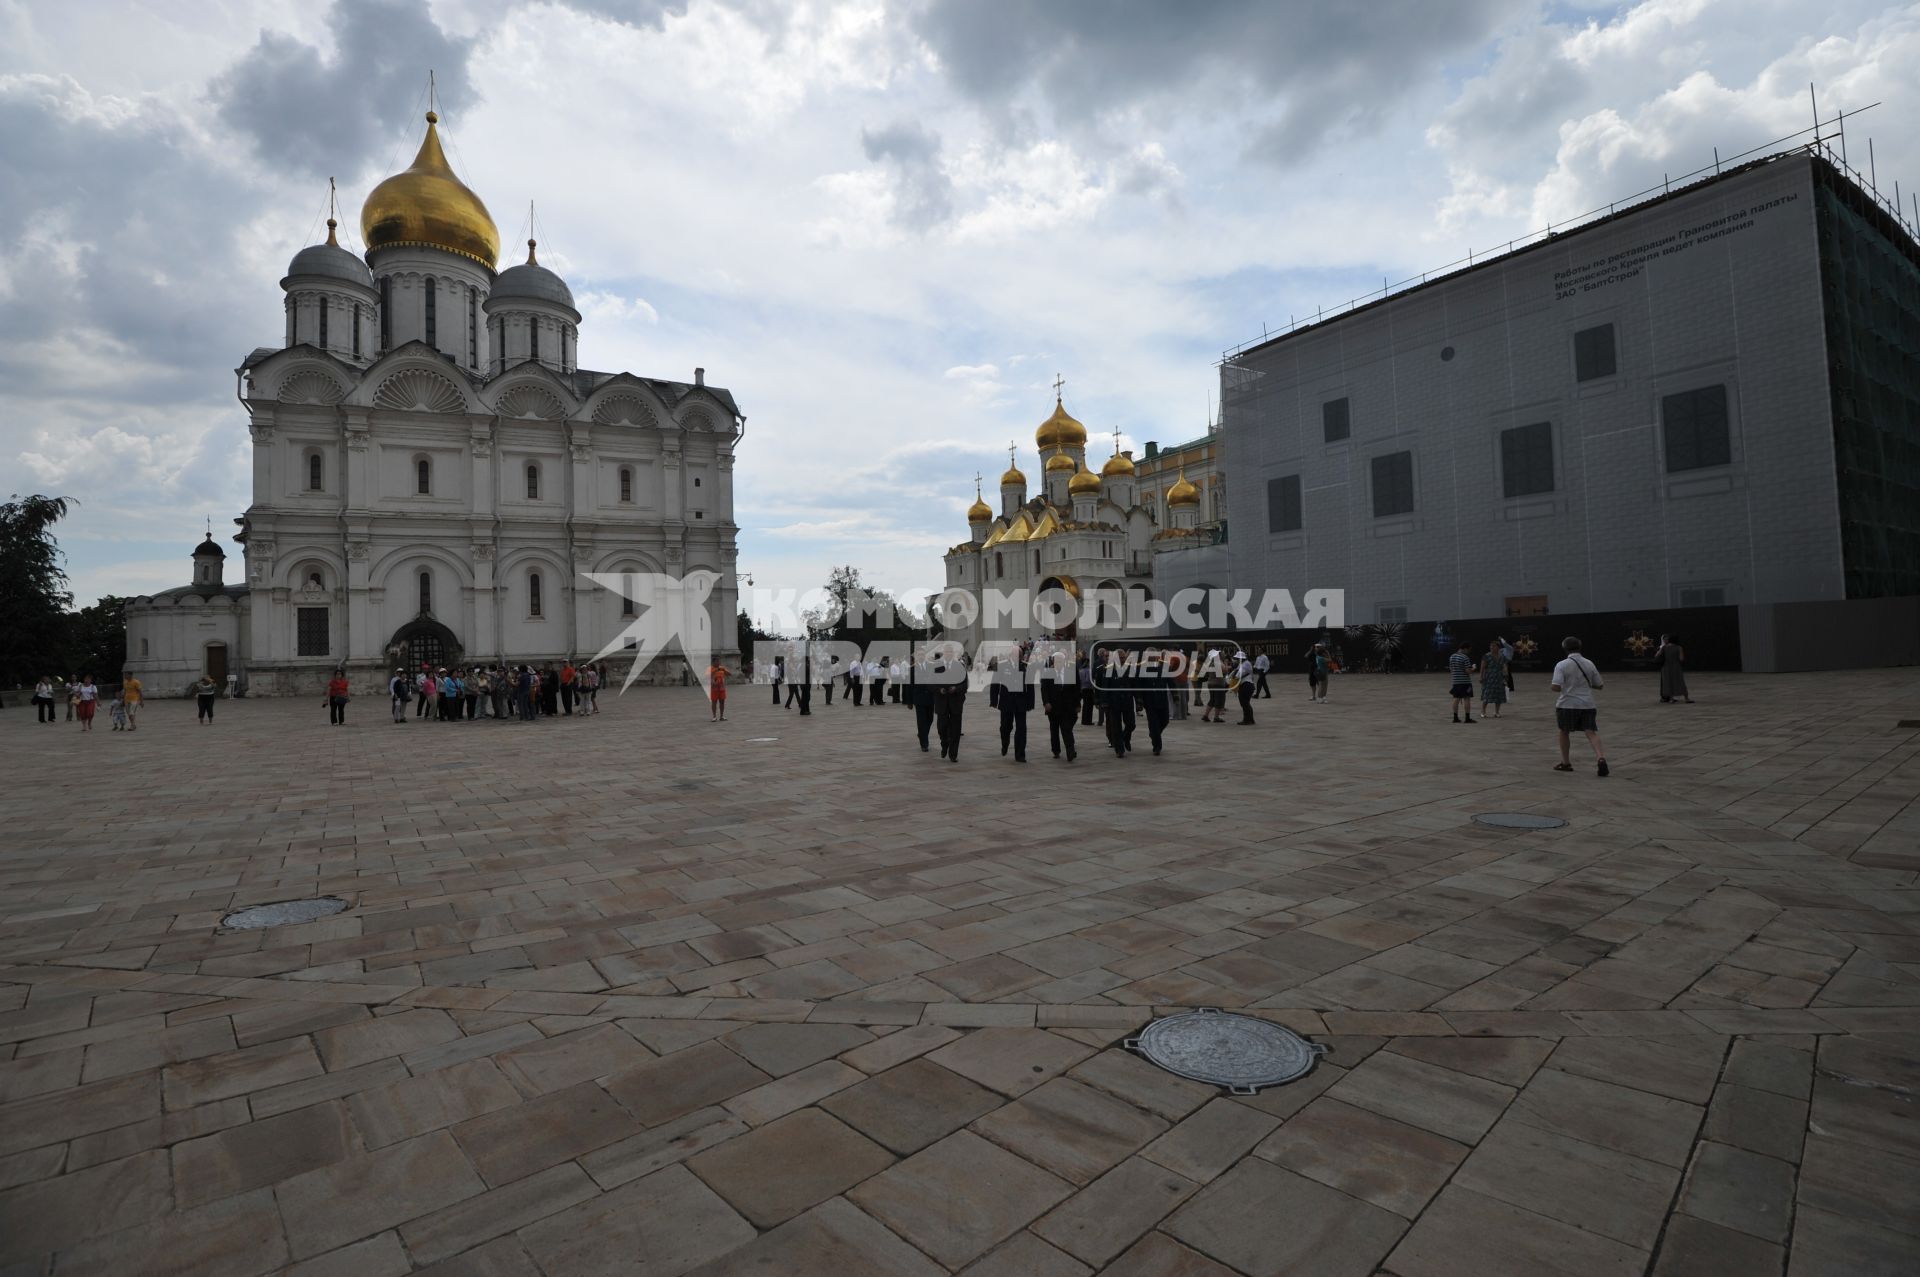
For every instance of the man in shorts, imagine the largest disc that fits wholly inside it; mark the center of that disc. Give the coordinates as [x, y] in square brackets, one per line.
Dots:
[1460, 666]
[717, 691]
[1576, 680]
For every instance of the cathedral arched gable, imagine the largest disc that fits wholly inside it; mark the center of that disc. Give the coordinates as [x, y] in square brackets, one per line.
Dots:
[625, 400]
[417, 378]
[699, 401]
[531, 391]
[380, 573]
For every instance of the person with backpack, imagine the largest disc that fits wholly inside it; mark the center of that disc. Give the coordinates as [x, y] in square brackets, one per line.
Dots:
[1575, 680]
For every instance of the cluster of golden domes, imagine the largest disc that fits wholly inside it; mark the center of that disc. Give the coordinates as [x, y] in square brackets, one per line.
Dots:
[427, 206]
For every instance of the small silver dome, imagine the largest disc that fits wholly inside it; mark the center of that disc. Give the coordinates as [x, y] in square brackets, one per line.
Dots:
[330, 261]
[532, 282]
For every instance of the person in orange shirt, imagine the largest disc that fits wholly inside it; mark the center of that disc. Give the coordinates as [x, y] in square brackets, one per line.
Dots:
[132, 693]
[567, 675]
[717, 691]
[338, 691]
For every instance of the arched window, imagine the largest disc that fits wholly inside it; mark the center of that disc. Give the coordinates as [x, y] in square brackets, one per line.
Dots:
[386, 312]
[628, 609]
[433, 317]
[564, 333]
[533, 338]
[423, 476]
[999, 565]
[356, 330]
[426, 592]
[315, 476]
[533, 594]
[473, 328]
[533, 483]
[1036, 560]
[626, 484]
[324, 308]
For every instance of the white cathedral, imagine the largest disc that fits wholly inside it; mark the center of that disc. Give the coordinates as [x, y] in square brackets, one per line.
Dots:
[1095, 537]
[433, 470]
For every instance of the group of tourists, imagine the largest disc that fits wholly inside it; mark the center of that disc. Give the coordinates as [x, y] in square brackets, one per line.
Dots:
[467, 694]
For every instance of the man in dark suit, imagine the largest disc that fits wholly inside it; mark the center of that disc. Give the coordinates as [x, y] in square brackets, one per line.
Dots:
[1062, 698]
[950, 705]
[1016, 698]
[922, 693]
[1155, 689]
[1117, 697]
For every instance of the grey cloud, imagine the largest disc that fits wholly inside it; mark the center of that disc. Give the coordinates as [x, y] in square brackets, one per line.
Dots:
[318, 113]
[923, 193]
[1324, 68]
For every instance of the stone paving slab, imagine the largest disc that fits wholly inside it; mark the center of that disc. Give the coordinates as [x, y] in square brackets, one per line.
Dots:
[605, 1002]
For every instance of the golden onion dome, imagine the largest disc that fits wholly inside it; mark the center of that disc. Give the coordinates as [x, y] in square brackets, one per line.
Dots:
[979, 511]
[1060, 430]
[427, 206]
[1183, 492]
[1082, 482]
[1118, 463]
[1018, 529]
[1059, 461]
[1013, 475]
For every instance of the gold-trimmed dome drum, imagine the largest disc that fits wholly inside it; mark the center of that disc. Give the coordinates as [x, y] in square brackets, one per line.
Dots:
[427, 206]
[979, 512]
[1060, 461]
[1118, 463]
[1083, 482]
[1183, 492]
[1013, 475]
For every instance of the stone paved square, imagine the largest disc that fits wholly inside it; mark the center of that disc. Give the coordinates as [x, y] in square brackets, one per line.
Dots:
[640, 993]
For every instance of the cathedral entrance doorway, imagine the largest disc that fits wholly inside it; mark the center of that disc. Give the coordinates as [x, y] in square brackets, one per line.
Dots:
[217, 663]
[1071, 627]
[424, 641]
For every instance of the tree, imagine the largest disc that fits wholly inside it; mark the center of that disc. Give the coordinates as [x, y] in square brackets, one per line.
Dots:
[749, 634]
[858, 613]
[33, 594]
[97, 639]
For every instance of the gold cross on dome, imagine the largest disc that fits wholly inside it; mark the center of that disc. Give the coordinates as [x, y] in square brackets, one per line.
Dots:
[1058, 381]
[1011, 448]
[976, 485]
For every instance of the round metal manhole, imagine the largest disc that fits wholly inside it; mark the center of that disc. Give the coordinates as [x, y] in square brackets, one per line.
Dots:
[1518, 820]
[282, 913]
[1238, 1052]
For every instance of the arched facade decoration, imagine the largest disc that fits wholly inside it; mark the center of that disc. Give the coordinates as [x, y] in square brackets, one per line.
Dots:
[529, 401]
[310, 385]
[418, 390]
[623, 409]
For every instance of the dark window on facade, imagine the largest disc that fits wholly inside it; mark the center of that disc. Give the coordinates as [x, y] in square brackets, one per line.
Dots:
[1336, 420]
[1526, 459]
[324, 308]
[533, 483]
[626, 484]
[310, 630]
[1393, 484]
[433, 316]
[473, 329]
[1283, 503]
[423, 476]
[1695, 422]
[1593, 353]
[533, 594]
[999, 565]
[564, 334]
[386, 312]
[289, 321]
[356, 330]
[1036, 560]
[533, 339]
[314, 474]
[628, 607]
[426, 592]
[696, 481]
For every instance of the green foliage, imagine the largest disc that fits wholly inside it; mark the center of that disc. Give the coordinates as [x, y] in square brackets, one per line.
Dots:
[33, 589]
[97, 639]
[858, 613]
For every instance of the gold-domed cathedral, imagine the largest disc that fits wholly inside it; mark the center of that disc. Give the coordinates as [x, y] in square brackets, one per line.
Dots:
[435, 474]
[1090, 533]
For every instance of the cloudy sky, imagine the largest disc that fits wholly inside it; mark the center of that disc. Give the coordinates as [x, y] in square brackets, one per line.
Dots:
[885, 226]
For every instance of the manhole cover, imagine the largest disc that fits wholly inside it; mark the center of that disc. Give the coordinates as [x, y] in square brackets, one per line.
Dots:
[1517, 820]
[282, 913]
[1238, 1052]
[761, 740]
